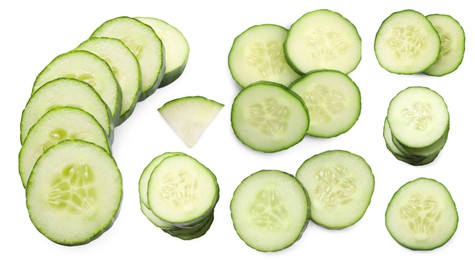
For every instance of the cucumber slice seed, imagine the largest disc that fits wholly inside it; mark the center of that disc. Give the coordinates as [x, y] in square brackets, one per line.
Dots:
[340, 185]
[422, 215]
[257, 54]
[323, 39]
[74, 192]
[333, 101]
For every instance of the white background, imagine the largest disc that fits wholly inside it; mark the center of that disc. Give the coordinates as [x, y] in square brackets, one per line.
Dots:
[34, 32]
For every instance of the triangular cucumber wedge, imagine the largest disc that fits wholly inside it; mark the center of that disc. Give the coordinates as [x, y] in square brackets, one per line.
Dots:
[190, 116]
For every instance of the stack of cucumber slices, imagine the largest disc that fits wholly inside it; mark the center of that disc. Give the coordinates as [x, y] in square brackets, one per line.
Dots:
[417, 125]
[409, 42]
[178, 194]
[294, 82]
[73, 185]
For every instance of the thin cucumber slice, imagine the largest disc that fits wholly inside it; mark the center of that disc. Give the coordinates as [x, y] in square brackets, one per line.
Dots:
[452, 48]
[65, 92]
[197, 233]
[422, 215]
[175, 44]
[333, 101]
[270, 210]
[436, 147]
[87, 67]
[154, 219]
[74, 192]
[144, 44]
[257, 54]
[406, 43]
[190, 116]
[323, 39]
[418, 117]
[125, 67]
[340, 185]
[269, 117]
[182, 191]
[55, 126]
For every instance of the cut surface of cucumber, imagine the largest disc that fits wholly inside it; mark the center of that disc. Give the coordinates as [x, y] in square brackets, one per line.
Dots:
[422, 215]
[452, 44]
[176, 48]
[270, 210]
[418, 117]
[323, 39]
[182, 191]
[333, 101]
[406, 43]
[144, 44]
[190, 116]
[87, 67]
[257, 54]
[340, 185]
[269, 117]
[74, 192]
[55, 126]
[65, 92]
[124, 66]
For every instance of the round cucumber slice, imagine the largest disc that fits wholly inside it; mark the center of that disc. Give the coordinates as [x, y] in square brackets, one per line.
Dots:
[74, 192]
[270, 210]
[333, 101]
[406, 43]
[257, 54]
[340, 185]
[65, 92]
[452, 48]
[269, 117]
[323, 39]
[422, 215]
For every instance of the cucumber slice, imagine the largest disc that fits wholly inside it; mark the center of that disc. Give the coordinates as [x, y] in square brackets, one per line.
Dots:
[270, 210]
[196, 233]
[269, 117]
[418, 117]
[175, 44]
[182, 191]
[144, 44]
[340, 185]
[406, 43]
[74, 192]
[422, 215]
[452, 48]
[190, 116]
[125, 67]
[323, 39]
[87, 67]
[333, 101]
[55, 126]
[257, 54]
[154, 219]
[65, 92]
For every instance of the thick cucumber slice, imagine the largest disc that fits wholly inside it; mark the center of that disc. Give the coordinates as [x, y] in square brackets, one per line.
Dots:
[340, 185]
[55, 126]
[406, 43]
[190, 116]
[87, 67]
[182, 191]
[257, 54]
[74, 192]
[175, 44]
[333, 101]
[323, 39]
[269, 117]
[65, 92]
[144, 44]
[418, 117]
[270, 210]
[422, 215]
[452, 37]
[125, 67]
